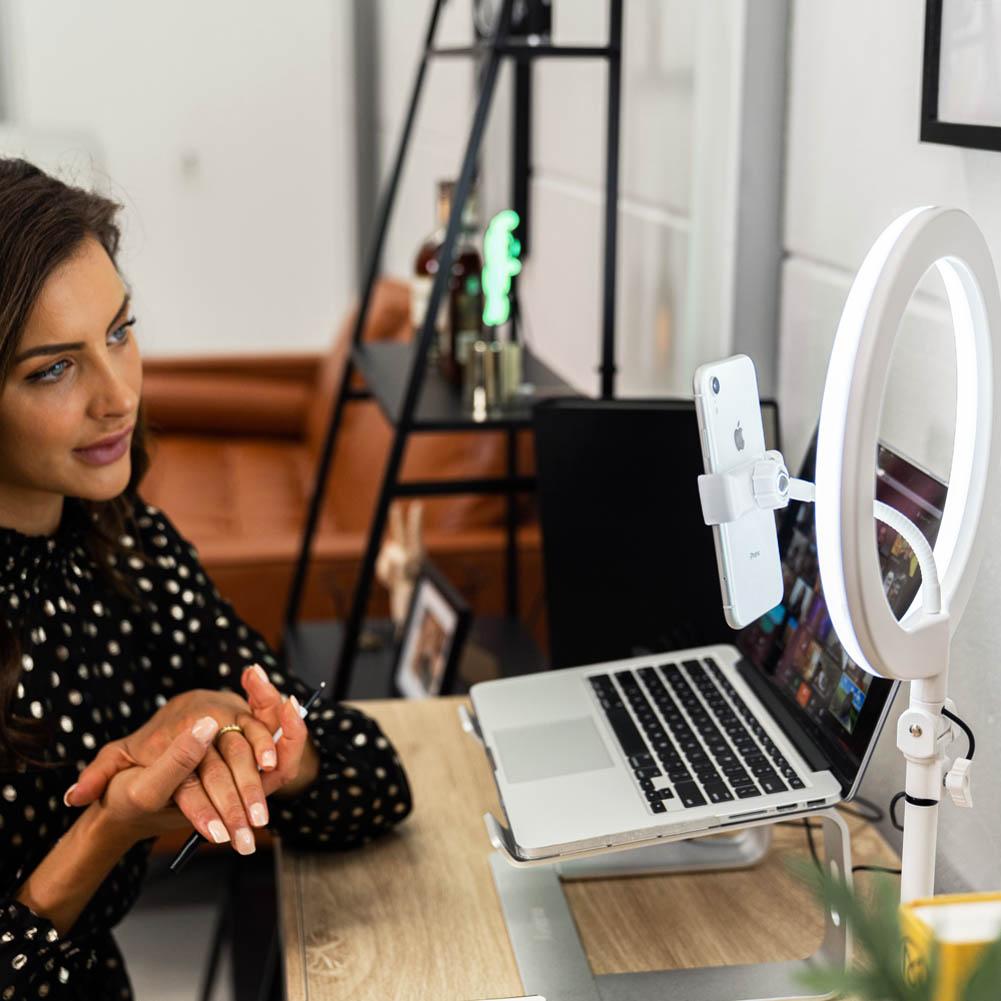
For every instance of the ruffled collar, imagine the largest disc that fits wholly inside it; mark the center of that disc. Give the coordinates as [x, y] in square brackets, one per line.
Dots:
[24, 559]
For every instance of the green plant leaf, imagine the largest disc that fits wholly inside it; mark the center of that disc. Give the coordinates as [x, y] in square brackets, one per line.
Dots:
[879, 973]
[985, 981]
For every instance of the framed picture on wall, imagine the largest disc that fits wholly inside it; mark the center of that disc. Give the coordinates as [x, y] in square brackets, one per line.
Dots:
[433, 637]
[961, 89]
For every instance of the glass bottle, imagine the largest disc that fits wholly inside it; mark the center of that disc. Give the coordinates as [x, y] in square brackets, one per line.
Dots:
[426, 267]
[465, 311]
[460, 314]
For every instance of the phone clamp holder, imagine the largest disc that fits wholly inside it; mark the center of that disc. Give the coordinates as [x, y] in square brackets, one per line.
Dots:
[763, 484]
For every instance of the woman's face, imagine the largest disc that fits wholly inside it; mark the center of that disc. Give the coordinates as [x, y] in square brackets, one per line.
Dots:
[70, 401]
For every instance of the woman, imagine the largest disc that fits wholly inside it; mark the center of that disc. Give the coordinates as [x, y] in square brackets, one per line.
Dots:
[119, 660]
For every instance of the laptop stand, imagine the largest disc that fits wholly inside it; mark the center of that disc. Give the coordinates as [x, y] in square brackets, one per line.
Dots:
[551, 957]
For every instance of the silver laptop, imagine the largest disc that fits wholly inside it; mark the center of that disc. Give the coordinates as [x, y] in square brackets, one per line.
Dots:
[695, 740]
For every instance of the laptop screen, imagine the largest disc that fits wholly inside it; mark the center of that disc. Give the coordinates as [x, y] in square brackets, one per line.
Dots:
[794, 645]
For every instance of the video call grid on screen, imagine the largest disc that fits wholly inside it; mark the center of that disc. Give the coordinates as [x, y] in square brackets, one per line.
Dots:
[794, 644]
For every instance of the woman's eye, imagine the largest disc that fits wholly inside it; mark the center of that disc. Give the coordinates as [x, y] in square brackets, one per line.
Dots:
[118, 336]
[50, 374]
[121, 334]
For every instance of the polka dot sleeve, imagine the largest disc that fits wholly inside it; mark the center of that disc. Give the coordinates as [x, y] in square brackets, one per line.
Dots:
[361, 789]
[34, 961]
[84, 964]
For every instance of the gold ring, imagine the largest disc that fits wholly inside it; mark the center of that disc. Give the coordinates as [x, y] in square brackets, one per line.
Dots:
[234, 727]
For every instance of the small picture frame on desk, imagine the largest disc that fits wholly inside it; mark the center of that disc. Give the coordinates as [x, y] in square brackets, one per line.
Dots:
[433, 637]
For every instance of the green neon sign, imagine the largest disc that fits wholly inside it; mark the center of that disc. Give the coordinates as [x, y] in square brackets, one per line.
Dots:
[500, 256]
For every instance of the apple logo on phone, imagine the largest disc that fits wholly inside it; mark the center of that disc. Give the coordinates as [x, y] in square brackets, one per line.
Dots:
[738, 438]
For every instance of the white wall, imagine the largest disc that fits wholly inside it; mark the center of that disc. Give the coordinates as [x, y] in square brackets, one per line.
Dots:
[854, 163]
[443, 119]
[224, 128]
[562, 285]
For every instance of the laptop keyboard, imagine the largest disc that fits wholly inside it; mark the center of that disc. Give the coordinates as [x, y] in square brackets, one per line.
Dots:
[712, 748]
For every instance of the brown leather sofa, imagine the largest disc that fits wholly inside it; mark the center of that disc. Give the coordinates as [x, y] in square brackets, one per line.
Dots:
[235, 443]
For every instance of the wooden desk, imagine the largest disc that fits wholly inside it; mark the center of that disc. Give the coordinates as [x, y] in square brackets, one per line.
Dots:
[415, 916]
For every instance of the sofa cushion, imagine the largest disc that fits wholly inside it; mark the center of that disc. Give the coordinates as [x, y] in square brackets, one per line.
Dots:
[218, 403]
[231, 488]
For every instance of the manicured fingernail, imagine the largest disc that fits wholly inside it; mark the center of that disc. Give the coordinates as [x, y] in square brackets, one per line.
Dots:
[245, 841]
[258, 815]
[218, 831]
[204, 730]
[295, 704]
[259, 671]
[270, 759]
[66, 795]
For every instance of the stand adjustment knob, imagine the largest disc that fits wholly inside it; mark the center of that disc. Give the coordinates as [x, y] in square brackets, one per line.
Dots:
[958, 781]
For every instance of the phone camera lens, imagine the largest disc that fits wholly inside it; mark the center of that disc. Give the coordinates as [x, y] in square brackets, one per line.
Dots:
[715, 385]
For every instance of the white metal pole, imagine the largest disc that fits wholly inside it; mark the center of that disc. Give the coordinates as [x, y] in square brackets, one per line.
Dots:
[918, 740]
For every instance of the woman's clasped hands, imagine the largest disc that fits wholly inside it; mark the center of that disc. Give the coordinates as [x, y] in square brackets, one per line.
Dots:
[223, 792]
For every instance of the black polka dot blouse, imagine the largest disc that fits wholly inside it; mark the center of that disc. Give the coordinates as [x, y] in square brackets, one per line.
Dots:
[95, 666]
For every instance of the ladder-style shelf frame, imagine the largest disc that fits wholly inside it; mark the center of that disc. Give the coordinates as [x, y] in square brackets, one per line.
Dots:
[380, 367]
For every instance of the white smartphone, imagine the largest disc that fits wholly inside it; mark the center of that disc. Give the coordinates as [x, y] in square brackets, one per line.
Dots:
[747, 550]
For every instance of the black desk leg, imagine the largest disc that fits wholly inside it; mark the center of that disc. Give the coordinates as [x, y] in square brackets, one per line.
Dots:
[272, 988]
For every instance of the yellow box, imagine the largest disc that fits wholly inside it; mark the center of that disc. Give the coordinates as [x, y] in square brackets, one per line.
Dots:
[963, 924]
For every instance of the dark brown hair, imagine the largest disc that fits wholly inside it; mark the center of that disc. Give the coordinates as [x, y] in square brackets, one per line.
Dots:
[43, 223]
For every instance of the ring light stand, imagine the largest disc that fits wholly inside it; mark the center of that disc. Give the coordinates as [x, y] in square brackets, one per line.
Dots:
[915, 649]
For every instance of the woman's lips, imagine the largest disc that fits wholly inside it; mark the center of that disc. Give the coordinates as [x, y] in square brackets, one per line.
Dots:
[101, 455]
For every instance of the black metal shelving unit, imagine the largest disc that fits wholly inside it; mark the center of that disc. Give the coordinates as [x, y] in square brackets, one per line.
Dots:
[412, 396]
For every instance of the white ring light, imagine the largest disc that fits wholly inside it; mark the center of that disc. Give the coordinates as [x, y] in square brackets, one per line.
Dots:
[916, 647]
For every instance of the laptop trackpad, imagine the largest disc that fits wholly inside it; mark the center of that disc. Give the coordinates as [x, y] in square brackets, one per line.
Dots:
[546, 750]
